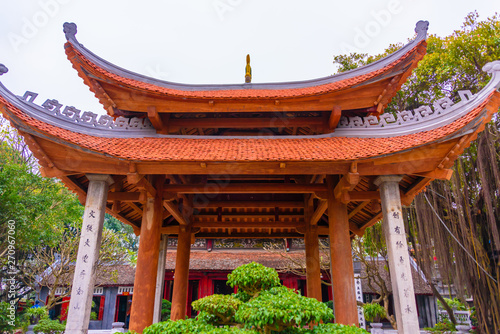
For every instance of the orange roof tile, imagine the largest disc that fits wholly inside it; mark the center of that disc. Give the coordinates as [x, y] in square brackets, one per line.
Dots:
[251, 149]
[75, 57]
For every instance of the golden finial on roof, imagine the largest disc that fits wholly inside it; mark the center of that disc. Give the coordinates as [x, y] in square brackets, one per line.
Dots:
[248, 71]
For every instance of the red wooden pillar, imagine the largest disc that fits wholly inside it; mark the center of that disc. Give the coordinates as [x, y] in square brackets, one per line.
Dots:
[141, 315]
[342, 270]
[181, 275]
[313, 268]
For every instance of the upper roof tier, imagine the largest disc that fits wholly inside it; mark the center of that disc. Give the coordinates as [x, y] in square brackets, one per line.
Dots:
[124, 93]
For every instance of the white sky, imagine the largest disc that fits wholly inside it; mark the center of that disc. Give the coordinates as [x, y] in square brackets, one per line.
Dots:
[206, 41]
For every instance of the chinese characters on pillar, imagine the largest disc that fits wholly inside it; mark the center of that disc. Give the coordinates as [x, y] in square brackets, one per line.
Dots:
[359, 297]
[400, 244]
[85, 258]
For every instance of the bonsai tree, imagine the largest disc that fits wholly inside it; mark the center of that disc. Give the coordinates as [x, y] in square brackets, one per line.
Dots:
[218, 309]
[262, 305]
[374, 312]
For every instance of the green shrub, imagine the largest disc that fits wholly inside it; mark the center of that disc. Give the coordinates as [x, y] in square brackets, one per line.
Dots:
[188, 326]
[262, 305]
[454, 303]
[374, 312]
[166, 308]
[48, 326]
[253, 277]
[445, 326]
[280, 308]
[222, 307]
[337, 329]
[6, 323]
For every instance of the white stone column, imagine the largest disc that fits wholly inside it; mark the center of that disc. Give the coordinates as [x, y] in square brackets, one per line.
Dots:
[160, 278]
[88, 251]
[399, 259]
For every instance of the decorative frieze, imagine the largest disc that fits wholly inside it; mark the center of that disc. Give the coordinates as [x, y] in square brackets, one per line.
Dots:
[406, 117]
[88, 118]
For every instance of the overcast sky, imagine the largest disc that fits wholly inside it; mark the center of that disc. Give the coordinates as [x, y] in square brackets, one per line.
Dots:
[206, 41]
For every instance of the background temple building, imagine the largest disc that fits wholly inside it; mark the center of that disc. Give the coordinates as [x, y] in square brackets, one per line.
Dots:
[210, 263]
[298, 160]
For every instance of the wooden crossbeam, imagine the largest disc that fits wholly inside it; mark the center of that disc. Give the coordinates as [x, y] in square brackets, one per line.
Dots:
[246, 123]
[320, 210]
[249, 204]
[174, 211]
[240, 225]
[244, 188]
[270, 216]
[127, 196]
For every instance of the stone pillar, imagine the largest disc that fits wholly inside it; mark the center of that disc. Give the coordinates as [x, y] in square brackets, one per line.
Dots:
[181, 275]
[342, 271]
[160, 278]
[88, 252]
[397, 250]
[313, 270]
[143, 301]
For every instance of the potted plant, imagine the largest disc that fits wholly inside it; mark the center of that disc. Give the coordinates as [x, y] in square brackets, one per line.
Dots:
[374, 312]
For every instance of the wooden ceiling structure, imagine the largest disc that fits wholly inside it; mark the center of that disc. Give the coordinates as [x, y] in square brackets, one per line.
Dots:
[250, 160]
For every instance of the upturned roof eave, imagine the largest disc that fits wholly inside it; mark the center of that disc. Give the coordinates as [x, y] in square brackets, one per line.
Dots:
[181, 89]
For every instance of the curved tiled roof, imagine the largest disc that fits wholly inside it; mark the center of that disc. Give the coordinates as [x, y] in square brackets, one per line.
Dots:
[79, 56]
[336, 147]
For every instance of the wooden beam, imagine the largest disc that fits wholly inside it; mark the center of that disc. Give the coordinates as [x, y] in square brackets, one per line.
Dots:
[118, 187]
[156, 120]
[232, 225]
[243, 215]
[146, 186]
[174, 211]
[135, 208]
[346, 184]
[358, 209]
[245, 188]
[123, 219]
[361, 196]
[320, 210]
[334, 119]
[417, 187]
[54, 172]
[132, 176]
[244, 123]
[127, 196]
[439, 174]
[375, 219]
[249, 204]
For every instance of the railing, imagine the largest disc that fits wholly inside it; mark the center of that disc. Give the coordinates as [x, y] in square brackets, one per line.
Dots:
[462, 317]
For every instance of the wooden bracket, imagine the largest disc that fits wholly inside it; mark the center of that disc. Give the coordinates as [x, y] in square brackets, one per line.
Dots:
[146, 186]
[174, 211]
[157, 120]
[334, 118]
[346, 184]
[132, 176]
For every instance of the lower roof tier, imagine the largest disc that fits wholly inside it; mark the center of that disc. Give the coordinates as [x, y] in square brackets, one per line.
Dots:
[420, 145]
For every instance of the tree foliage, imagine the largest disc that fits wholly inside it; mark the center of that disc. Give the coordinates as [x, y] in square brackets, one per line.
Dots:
[262, 305]
[45, 218]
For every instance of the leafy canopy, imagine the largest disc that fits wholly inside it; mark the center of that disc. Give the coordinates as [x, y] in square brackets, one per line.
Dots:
[262, 305]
